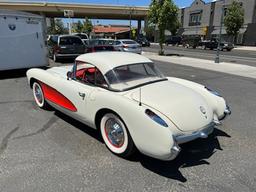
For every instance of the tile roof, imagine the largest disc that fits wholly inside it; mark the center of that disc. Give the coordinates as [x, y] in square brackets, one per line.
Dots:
[109, 29]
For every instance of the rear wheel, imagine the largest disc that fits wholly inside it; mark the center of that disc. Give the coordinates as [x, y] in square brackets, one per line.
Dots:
[39, 95]
[116, 136]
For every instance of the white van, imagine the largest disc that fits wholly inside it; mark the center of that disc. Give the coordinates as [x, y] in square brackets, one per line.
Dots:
[22, 43]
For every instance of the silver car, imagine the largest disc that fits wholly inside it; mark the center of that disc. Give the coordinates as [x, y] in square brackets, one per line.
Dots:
[127, 45]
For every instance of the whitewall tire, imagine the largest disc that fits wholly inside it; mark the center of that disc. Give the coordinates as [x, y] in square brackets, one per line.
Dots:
[39, 95]
[116, 135]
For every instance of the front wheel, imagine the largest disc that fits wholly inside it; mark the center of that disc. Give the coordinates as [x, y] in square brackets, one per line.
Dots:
[39, 95]
[116, 136]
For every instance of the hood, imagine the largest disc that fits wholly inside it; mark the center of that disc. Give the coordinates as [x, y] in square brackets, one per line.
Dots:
[61, 71]
[186, 108]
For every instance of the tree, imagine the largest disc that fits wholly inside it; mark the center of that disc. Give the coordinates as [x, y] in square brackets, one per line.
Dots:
[87, 26]
[174, 28]
[163, 14]
[78, 27]
[57, 27]
[234, 19]
[150, 32]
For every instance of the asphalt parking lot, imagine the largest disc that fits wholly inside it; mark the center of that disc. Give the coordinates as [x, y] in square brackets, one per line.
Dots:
[48, 151]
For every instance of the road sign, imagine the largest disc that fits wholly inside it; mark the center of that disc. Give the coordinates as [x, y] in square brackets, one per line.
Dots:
[205, 29]
[68, 13]
[133, 33]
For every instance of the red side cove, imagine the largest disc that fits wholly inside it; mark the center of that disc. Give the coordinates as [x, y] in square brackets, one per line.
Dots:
[56, 97]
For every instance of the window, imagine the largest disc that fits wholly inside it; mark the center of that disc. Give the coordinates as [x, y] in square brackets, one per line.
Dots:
[82, 36]
[129, 42]
[89, 74]
[195, 18]
[129, 76]
[117, 43]
[53, 40]
[225, 11]
[70, 41]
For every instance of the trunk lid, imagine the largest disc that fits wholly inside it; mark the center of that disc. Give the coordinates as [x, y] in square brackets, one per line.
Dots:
[186, 108]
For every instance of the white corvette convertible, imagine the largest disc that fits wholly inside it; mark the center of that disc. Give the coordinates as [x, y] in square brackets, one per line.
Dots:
[131, 102]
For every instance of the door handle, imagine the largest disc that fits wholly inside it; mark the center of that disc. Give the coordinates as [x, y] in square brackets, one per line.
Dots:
[81, 95]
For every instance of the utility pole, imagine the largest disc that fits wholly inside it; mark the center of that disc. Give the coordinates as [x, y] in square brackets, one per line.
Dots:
[217, 59]
[69, 14]
[131, 9]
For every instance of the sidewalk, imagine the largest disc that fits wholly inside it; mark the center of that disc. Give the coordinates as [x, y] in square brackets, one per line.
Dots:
[246, 48]
[224, 67]
[243, 48]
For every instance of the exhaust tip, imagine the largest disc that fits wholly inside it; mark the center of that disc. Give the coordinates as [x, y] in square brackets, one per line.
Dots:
[217, 122]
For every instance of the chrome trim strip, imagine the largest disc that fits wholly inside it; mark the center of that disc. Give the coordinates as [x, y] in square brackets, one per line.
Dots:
[227, 111]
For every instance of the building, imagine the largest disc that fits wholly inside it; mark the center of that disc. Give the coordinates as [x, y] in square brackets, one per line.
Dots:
[203, 19]
[114, 31]
[111, 31]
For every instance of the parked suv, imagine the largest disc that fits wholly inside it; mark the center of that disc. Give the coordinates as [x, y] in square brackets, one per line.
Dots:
[174, 40]
[65, 46]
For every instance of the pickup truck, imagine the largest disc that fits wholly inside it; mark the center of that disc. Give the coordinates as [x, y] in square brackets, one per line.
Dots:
[213, 44]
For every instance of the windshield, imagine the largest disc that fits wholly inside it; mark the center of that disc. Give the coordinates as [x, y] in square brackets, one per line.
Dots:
[129, 42]
[101, 42]
[70, 41]
[128, 76]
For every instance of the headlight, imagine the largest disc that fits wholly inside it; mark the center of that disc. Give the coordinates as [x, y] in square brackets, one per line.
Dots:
[226, 44]
[213, 92]
[156, 118]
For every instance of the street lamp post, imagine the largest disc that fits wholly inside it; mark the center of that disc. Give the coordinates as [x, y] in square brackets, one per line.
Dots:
[217, 59]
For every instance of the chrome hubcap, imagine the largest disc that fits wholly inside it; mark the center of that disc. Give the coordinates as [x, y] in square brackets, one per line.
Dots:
[114, 132]
[38, 94]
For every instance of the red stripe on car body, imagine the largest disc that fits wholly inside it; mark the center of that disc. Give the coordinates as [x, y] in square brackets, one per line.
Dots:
[56, 97]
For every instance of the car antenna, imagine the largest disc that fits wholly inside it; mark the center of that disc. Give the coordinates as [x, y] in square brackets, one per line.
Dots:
[140, 97]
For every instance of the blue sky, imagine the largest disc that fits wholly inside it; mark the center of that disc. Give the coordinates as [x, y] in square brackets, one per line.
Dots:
[180, 3]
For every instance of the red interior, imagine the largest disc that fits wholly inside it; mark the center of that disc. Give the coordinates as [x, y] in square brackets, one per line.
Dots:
[80, 73]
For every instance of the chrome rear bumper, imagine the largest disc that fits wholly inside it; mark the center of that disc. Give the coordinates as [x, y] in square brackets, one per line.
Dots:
[203, 133]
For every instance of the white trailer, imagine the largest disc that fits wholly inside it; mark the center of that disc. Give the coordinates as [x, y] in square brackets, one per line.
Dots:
[22, 43]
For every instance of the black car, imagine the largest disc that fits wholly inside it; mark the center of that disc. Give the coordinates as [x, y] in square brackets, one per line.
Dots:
[174, 40]
[65, 46]
[213, 44]
[143, 42]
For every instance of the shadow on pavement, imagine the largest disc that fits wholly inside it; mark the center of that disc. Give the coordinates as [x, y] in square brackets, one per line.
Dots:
[193, 153]
[11, 74]
[65, 61]
[86, 129]
[173, 54]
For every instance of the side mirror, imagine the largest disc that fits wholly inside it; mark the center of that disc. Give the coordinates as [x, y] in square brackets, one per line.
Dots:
[69, 75]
